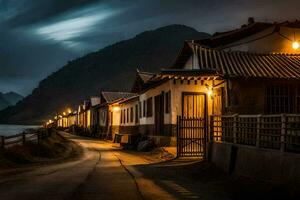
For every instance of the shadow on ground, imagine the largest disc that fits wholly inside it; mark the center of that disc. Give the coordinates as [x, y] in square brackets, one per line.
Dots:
[202, 180]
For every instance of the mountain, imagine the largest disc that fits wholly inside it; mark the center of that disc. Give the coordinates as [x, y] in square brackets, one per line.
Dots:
[9, 99]
[111, 68]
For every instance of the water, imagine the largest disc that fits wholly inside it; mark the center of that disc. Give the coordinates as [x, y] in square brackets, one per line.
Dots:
[7, 130]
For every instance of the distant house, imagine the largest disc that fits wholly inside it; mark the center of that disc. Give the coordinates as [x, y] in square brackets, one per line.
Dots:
[110, 113]
[129, 118]
[80, 116]
[84, 116]
[72, 119]
[94, 115]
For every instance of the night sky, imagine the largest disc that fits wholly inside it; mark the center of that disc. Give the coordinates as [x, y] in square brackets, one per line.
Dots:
[37, 37]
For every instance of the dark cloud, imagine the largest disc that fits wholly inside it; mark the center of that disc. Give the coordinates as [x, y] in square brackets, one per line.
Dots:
[38, 37]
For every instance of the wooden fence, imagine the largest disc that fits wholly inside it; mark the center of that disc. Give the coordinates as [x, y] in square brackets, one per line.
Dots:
[280, 132]
[23, 138]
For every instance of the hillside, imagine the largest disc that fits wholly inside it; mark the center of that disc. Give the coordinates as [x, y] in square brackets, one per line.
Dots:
[9, 99]
[111, 68]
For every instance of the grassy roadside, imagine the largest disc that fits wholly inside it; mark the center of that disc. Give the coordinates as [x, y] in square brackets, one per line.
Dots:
[53, 149]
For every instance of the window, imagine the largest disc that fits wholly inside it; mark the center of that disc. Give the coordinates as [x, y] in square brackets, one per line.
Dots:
[131, 114]
[168, 102]
[279, 99]
[144, 108]
[127, 115]
[136, 113]
[149, 107]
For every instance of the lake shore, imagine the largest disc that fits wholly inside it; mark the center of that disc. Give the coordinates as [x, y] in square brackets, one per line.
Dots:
[13, 129]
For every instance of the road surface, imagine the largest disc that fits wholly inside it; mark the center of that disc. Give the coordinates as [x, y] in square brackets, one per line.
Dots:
[105, 172]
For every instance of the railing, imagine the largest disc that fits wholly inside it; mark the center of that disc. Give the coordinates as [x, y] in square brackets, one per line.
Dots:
[23, 138]
[281, 132]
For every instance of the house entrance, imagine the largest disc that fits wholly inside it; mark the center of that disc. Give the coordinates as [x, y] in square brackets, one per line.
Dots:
[191, 126]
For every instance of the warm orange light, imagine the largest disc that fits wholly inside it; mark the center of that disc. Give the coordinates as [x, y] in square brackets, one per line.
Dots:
[209, 92]
[64, 113]
[295, 45]
[116, 108]
[69, 111]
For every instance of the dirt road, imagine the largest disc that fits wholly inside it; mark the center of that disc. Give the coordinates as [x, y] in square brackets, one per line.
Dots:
[106, 172]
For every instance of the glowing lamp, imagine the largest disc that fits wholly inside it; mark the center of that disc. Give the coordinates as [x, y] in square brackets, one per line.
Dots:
[69, 111]
[64, 113]
[295, 45]
[209, 92]
[116, 108]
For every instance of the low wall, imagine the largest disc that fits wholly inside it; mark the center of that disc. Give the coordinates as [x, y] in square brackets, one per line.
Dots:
[262, 164]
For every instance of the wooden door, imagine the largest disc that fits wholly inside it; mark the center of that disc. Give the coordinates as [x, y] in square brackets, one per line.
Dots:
[191, 126]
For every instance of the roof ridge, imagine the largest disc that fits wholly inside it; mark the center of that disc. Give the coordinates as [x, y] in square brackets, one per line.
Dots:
[245, 52]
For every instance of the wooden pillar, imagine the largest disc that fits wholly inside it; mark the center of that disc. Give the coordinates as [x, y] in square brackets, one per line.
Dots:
[283, 132]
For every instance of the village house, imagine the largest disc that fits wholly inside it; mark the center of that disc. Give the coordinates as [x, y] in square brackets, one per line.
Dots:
[84, 116]
[227, 74]
[94, 115]
[165, 96]
[110, 113]
[72, 118]
[129, 122]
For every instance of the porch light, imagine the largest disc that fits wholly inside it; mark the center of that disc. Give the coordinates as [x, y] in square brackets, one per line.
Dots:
[295, 45]
[209, 90]
[116, 108]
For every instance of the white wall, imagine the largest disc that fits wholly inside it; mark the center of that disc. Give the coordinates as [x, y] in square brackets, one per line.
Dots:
[116, 114]
[176, 97]
[165, 87]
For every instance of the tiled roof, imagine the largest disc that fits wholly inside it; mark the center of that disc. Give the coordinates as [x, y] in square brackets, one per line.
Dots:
[244, 64]
[115, 96]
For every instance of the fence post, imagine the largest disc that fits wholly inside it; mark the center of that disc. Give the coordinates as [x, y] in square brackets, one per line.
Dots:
[23, 138]
[258, 126]
[2, 142]
[235, 117]
[283, 131]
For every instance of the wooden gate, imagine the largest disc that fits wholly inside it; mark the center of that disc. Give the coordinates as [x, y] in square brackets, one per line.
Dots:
[191, 137]
[191, 126]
